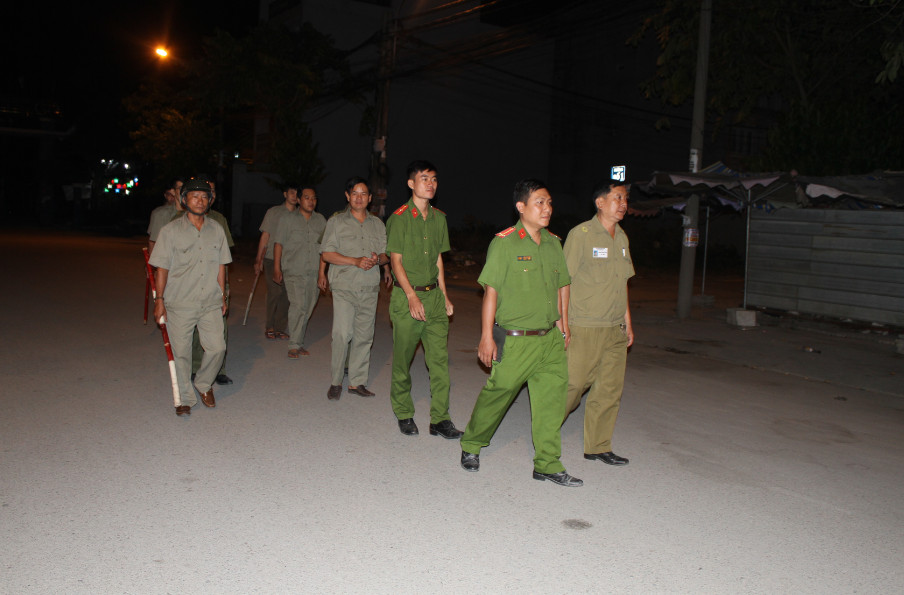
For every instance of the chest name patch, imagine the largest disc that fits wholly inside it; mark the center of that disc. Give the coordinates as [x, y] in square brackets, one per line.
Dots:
[601, 252]
[524, 258]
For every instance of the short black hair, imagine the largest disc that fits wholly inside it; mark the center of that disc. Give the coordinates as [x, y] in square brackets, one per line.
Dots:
[173, 182]
[606, 186]
[354, 181]
[420, 165]
[291, 186]
[525, 188]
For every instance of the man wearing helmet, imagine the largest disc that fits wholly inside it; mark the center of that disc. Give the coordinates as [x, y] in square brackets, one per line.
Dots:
[191, 255]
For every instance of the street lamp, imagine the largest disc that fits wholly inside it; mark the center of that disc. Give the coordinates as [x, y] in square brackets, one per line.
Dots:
[161, 52]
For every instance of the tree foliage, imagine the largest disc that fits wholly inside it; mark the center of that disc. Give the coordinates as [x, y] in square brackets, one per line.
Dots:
[271, 72]
[796, 68]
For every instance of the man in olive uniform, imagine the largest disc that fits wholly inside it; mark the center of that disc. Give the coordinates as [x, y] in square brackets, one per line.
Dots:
[277, 300]
[354, 245]
[165, 212]
[600, 265]
[525, 283]
[197, 350]
[416, 237]
[191, 257]
[296, 262]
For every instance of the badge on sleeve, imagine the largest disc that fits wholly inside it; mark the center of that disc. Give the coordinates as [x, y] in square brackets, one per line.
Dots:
[601, 252]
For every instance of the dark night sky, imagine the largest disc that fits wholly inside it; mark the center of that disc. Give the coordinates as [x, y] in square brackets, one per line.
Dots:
[87, 56]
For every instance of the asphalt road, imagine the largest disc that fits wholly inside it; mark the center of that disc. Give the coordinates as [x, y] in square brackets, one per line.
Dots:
[757, 465]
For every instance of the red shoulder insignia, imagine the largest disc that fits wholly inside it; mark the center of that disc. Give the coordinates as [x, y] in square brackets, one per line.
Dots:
[522, 232]
[554, 235]
[505, 232]
[400, 210]
[414, 213]
[441, 211]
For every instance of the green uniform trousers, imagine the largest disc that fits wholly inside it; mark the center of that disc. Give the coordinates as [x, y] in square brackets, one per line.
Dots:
[354, 314]
[541, 362]
[179, 325]
[596, 360]
[406, 334]
[197, 351]
[277, 301]
[303, 294]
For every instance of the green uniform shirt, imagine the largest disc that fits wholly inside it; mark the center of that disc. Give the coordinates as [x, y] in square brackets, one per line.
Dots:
[600, 266]
[526, 277]
[192, 258]
[420, 241]
[300, 238]
[160, 217]
[271, 222]
[349, 237]
[217, 217]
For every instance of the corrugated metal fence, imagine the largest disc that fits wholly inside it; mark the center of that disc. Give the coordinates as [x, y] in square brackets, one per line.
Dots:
[842, 264]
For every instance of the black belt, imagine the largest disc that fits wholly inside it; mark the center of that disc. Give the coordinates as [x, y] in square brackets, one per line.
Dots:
[536, 333]
[418, 287]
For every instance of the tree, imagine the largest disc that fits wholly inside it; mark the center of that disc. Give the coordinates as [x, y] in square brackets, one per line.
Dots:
[794, 68]
[272, 71]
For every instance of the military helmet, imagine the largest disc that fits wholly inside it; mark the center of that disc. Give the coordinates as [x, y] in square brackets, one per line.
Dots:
[197, 185]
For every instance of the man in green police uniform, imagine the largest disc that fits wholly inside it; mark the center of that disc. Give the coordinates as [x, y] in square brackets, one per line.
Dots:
[525, 282]
[599, 317]
[354, 245]
[416, 237]
[191, 257]
[296, 261]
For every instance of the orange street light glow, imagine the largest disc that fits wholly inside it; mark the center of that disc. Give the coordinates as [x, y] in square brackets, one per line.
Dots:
[162, 52]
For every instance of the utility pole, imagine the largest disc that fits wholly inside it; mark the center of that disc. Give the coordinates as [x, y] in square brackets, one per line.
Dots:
[379, 173]
[691, 234]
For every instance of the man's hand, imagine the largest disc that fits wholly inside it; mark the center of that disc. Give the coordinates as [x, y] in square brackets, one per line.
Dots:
[387, 277]
[486, 351]
[225, 304]
[258, 266]
[322, 282]
[277, 275]
[449, 308]
[416, 307]
[159, 311]
[629, 332]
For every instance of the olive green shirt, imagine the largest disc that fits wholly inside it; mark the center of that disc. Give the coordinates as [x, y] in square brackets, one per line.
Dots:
[270, 224]
[300, 238]
[349, 237]
[420, 241]
[192, 258]
[217, 217]
[160, 217]
[600, 267]
[527, 278]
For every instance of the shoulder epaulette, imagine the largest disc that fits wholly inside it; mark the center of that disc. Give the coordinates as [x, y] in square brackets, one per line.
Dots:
[554, 235]
[400, 210]
[440, 210]
[505, 232]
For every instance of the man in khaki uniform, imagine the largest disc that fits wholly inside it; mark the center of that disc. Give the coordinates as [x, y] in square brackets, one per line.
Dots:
[277, 300]
[296, 261]
[191, 257]
[354, 245]
[197, 350]
[165, 212]
[600, 265]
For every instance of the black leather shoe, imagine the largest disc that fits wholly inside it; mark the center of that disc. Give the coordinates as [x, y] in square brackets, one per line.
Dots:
[223, 379]
[562, 478]
[183, 410]
[610, 458]
[408, 427]
[446, 429]
[334, 393]
[360, 390]
[470, 462]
